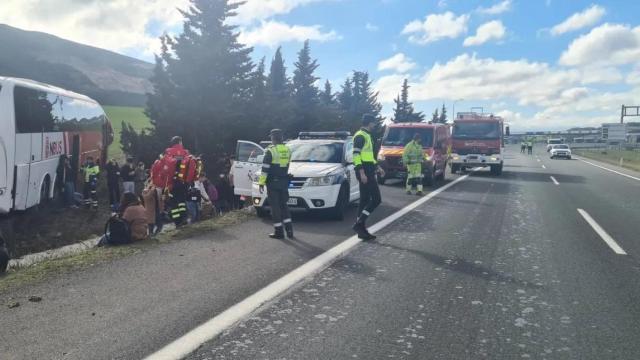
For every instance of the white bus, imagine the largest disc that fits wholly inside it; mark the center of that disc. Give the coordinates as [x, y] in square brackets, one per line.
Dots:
[38, 123]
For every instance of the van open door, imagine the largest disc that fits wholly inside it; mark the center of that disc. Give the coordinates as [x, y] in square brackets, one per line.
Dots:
[248, 161]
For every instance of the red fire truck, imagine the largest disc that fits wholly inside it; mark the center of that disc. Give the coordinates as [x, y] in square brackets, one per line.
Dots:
[477, 141]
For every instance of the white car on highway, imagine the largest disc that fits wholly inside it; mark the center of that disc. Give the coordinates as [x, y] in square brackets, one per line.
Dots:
[560, 151]
[322, 173]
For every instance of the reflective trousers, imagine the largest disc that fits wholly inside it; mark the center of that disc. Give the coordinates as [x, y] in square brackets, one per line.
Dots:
[414, 177]
[280, 213]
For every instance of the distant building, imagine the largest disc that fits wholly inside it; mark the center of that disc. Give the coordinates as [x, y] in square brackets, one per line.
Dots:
[614, 132]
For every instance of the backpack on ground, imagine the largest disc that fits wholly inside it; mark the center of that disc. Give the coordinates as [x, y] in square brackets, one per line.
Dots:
[117, 231]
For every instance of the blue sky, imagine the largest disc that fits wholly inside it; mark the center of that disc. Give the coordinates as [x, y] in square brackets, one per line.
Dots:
[543, 64]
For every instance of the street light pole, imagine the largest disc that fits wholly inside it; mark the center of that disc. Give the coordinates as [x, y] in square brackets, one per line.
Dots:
[453, 110]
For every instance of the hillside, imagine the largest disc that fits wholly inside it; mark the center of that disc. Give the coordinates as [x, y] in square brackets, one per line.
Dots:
[110, 78]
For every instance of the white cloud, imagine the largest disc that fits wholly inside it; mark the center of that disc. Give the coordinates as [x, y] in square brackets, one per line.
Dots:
[258, 10]
[436, 27]
[273, 33]
[493, 30]
[442, 4]
[117, 25]
[496, 9]
[608, 44]
[389, 86]
[580, 20]
[371, 27]
[399, 63]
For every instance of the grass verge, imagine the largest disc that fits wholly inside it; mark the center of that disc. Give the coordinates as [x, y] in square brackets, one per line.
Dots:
[96, 256]
[630, 159]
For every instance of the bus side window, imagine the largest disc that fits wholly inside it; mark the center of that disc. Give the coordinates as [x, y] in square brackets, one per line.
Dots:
[34, 112]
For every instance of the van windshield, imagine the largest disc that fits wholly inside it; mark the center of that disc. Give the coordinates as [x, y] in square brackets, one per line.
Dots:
[476, 130]
[400, 136]
[555, 141]
[305, 151]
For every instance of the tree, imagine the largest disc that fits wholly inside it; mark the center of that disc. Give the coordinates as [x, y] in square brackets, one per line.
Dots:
[443, 115]
[279, 109]
[305, 92]
[327, 97]
[435, 118]
[356, 99]
[404, 112]
[203, 79]
[277, 81]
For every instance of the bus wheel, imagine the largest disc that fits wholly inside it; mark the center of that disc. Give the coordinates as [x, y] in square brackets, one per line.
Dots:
[45, 189]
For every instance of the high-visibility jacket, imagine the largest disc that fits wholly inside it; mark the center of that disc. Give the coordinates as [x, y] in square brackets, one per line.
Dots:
[365, 154]
[275, 166]
[91, 172]
[413, 153]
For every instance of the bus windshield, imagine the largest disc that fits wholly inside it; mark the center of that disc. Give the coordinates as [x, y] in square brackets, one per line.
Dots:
[400, 136]
[476, 130]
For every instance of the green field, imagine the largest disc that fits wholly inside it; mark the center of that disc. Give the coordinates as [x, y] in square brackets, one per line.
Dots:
[133, 116]
[630, 159]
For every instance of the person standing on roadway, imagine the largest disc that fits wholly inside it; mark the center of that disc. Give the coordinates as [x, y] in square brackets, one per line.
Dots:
[275, 176]
[530, 147]
[523, 147]
[412, 157]
[366, 166]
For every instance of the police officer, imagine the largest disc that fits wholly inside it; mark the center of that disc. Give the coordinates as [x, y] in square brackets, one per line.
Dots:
[412, 157]
[275, 176]
[91, 171]
[366, 166]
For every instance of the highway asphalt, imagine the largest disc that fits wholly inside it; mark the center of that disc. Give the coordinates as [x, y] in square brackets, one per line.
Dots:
[494, 267]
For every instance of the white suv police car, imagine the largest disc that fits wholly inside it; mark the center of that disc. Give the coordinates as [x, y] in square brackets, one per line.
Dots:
[322, 173]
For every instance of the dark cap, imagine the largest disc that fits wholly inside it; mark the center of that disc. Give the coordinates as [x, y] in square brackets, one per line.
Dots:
[275, 132]
[176, 140]
[368, 119]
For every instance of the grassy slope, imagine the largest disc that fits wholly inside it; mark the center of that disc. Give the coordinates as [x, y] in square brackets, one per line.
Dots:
[631, 158]
[134, 116]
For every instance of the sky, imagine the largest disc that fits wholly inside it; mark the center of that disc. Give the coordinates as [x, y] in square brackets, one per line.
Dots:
[541, 64]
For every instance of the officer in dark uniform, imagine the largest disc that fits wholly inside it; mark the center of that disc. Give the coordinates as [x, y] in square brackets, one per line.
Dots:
[366, 166]
[275, 176]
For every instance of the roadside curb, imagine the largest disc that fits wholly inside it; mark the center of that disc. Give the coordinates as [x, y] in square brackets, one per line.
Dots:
[73, 249]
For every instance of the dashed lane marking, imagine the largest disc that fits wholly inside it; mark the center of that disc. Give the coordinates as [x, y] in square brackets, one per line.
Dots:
[554, 180]
[603, 234]
[192, 340]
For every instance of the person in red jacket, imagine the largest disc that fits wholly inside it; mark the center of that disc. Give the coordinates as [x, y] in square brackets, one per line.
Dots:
[178, 195]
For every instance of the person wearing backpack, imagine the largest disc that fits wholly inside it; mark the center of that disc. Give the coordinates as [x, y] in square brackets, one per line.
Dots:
[135, 215]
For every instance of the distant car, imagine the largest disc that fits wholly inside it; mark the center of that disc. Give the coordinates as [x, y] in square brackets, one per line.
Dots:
[552, 142]
[560, 150]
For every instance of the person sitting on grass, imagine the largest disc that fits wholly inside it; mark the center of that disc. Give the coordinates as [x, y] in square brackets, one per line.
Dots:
[132, 211]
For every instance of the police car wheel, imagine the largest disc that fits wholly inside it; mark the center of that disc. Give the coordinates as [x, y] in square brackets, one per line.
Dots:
[338, 212]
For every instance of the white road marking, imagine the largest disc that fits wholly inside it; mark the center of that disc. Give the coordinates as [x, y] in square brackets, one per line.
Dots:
[544, 167]
[538, 160]
[611, 170]
[190, 342]
[554, 180]
[603, 234]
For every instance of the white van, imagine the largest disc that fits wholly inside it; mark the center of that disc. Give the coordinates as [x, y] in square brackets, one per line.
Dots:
[38, 123]
[323, 175]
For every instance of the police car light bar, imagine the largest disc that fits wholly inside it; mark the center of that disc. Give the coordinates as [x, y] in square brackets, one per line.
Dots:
[324, 135]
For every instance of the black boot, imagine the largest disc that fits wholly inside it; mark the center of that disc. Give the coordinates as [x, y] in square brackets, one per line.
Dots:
[360, 229]
[288, 227]
[278, 233]
[368, 236]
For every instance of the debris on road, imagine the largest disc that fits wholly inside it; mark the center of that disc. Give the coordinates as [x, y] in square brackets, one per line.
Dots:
[13, 304]
[34, 298]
